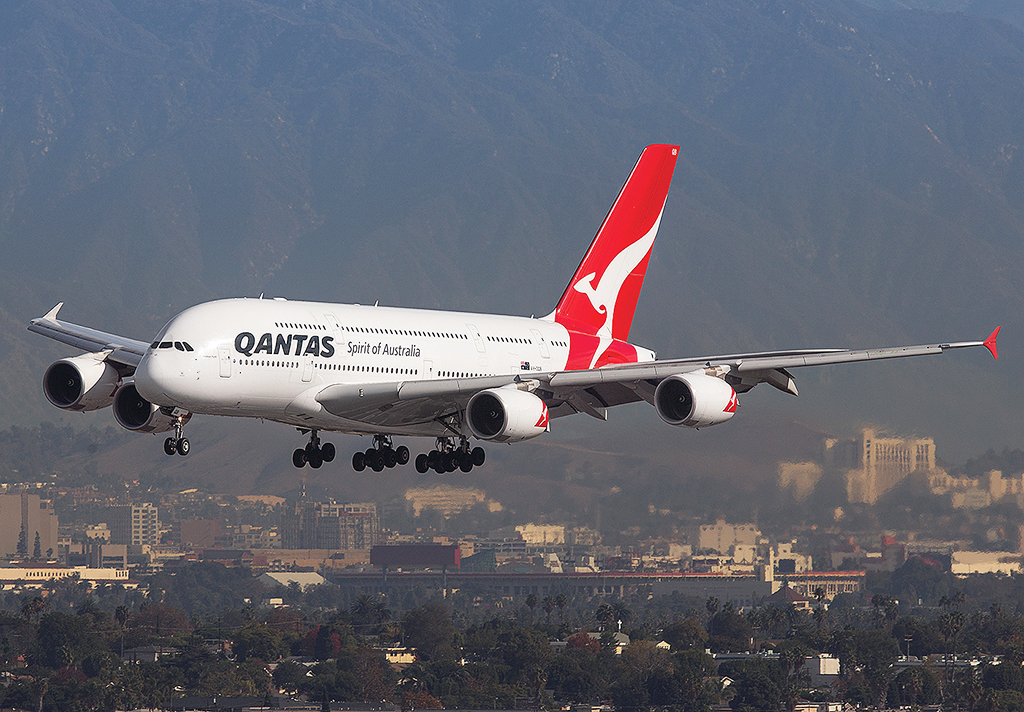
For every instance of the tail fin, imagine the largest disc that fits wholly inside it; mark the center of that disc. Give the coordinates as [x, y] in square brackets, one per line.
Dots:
[602, 295]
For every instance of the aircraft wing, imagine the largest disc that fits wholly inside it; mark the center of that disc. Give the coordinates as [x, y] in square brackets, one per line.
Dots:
[121, 352]
[592, 391]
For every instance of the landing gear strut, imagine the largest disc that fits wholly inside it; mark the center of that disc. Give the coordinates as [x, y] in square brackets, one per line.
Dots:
[178, 444]
[382, 454]
[449, 456]
[314, 453]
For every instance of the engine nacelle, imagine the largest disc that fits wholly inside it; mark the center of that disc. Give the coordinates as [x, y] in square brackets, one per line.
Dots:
[134, 412]
[695, 400]
[80, 383]
[505, 415]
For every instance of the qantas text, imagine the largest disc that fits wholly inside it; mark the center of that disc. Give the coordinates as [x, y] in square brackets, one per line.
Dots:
[303, 344]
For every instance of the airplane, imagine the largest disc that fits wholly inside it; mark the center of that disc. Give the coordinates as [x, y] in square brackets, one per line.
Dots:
[393, 372]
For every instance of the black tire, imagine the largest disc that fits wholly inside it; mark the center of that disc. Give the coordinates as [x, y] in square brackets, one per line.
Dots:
[465, 461]
[170, 446]
[183, 447]
[451, 462]
[358, 462]
[328, 451]
[478, 456]
[402, 452]
[439, 467]
[421, 464]
[390, 457]
[315, 459]
[299, 458]
[377, 462]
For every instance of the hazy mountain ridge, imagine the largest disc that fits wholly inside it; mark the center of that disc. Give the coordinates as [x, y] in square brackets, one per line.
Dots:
[848, 176]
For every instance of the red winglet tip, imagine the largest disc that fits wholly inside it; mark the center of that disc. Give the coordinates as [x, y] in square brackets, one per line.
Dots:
[990, 343]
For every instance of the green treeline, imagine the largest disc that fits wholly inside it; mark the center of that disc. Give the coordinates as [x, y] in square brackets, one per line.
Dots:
[71, 648]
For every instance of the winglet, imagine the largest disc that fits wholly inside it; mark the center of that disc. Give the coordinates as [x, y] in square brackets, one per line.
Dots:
[990, 343]
[52, 314]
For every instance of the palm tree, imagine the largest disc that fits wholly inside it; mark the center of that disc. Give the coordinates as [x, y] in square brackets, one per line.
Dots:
[605, 614]
[549, 606]
[622, 614]
[561, 601]
[531, 603]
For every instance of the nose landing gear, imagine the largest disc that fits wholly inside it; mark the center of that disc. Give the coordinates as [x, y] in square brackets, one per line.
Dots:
[314, 454]
[383, 454]
[178, 444]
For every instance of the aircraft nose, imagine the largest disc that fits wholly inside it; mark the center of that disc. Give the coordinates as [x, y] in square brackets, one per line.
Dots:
[152, 380]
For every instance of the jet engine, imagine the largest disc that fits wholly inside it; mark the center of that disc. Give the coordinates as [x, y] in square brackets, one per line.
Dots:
[505, 415]
[694, 400]
[80, 383]
[134, 412]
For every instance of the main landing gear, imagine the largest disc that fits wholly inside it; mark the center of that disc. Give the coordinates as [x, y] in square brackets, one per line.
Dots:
[314, 453]
[178, 444]
[382, 454]
[448, 457]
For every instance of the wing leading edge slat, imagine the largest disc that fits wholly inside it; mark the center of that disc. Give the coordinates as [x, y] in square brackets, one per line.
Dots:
[119, 350]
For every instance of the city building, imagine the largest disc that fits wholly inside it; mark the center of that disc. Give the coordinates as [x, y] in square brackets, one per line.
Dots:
[723, 537]
[14, 577]
[329, 525]
[135, 525]
[28, 527]
[874, 464]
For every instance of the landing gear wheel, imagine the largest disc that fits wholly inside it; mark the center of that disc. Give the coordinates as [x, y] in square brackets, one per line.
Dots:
[170, 446]
[377, 461]
[328, 451]
[183, 447]
[451, 461]
[299, 458]
[465, 461]
[315, 459]
[359, 462]
[390, 458]
[402, 454]
[478, 456]
[421, 464]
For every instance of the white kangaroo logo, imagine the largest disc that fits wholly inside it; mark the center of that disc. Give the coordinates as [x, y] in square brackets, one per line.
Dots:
[604, 296]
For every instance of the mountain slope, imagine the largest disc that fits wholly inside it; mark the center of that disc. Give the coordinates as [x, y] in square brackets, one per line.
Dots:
[849, 176]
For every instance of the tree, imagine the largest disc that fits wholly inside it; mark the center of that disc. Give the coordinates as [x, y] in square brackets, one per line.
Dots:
[22, 543]
[758, 685]
[37, 549]
[429, 629]
[548, 606]
[685, 634]
[728, 631]
[561, 601]
[259, 642]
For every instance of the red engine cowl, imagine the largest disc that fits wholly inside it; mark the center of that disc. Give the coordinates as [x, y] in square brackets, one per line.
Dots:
[80, 383]
[134, 412]
[695, 400]
[505, 415]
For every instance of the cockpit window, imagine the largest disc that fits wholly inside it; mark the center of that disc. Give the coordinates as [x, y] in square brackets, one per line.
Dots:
[179, 345]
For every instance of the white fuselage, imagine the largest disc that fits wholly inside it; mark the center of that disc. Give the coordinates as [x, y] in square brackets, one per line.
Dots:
[267, 358]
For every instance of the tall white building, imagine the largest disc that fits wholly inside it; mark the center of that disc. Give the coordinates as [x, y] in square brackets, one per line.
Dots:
[136, 525]
[875, 463]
